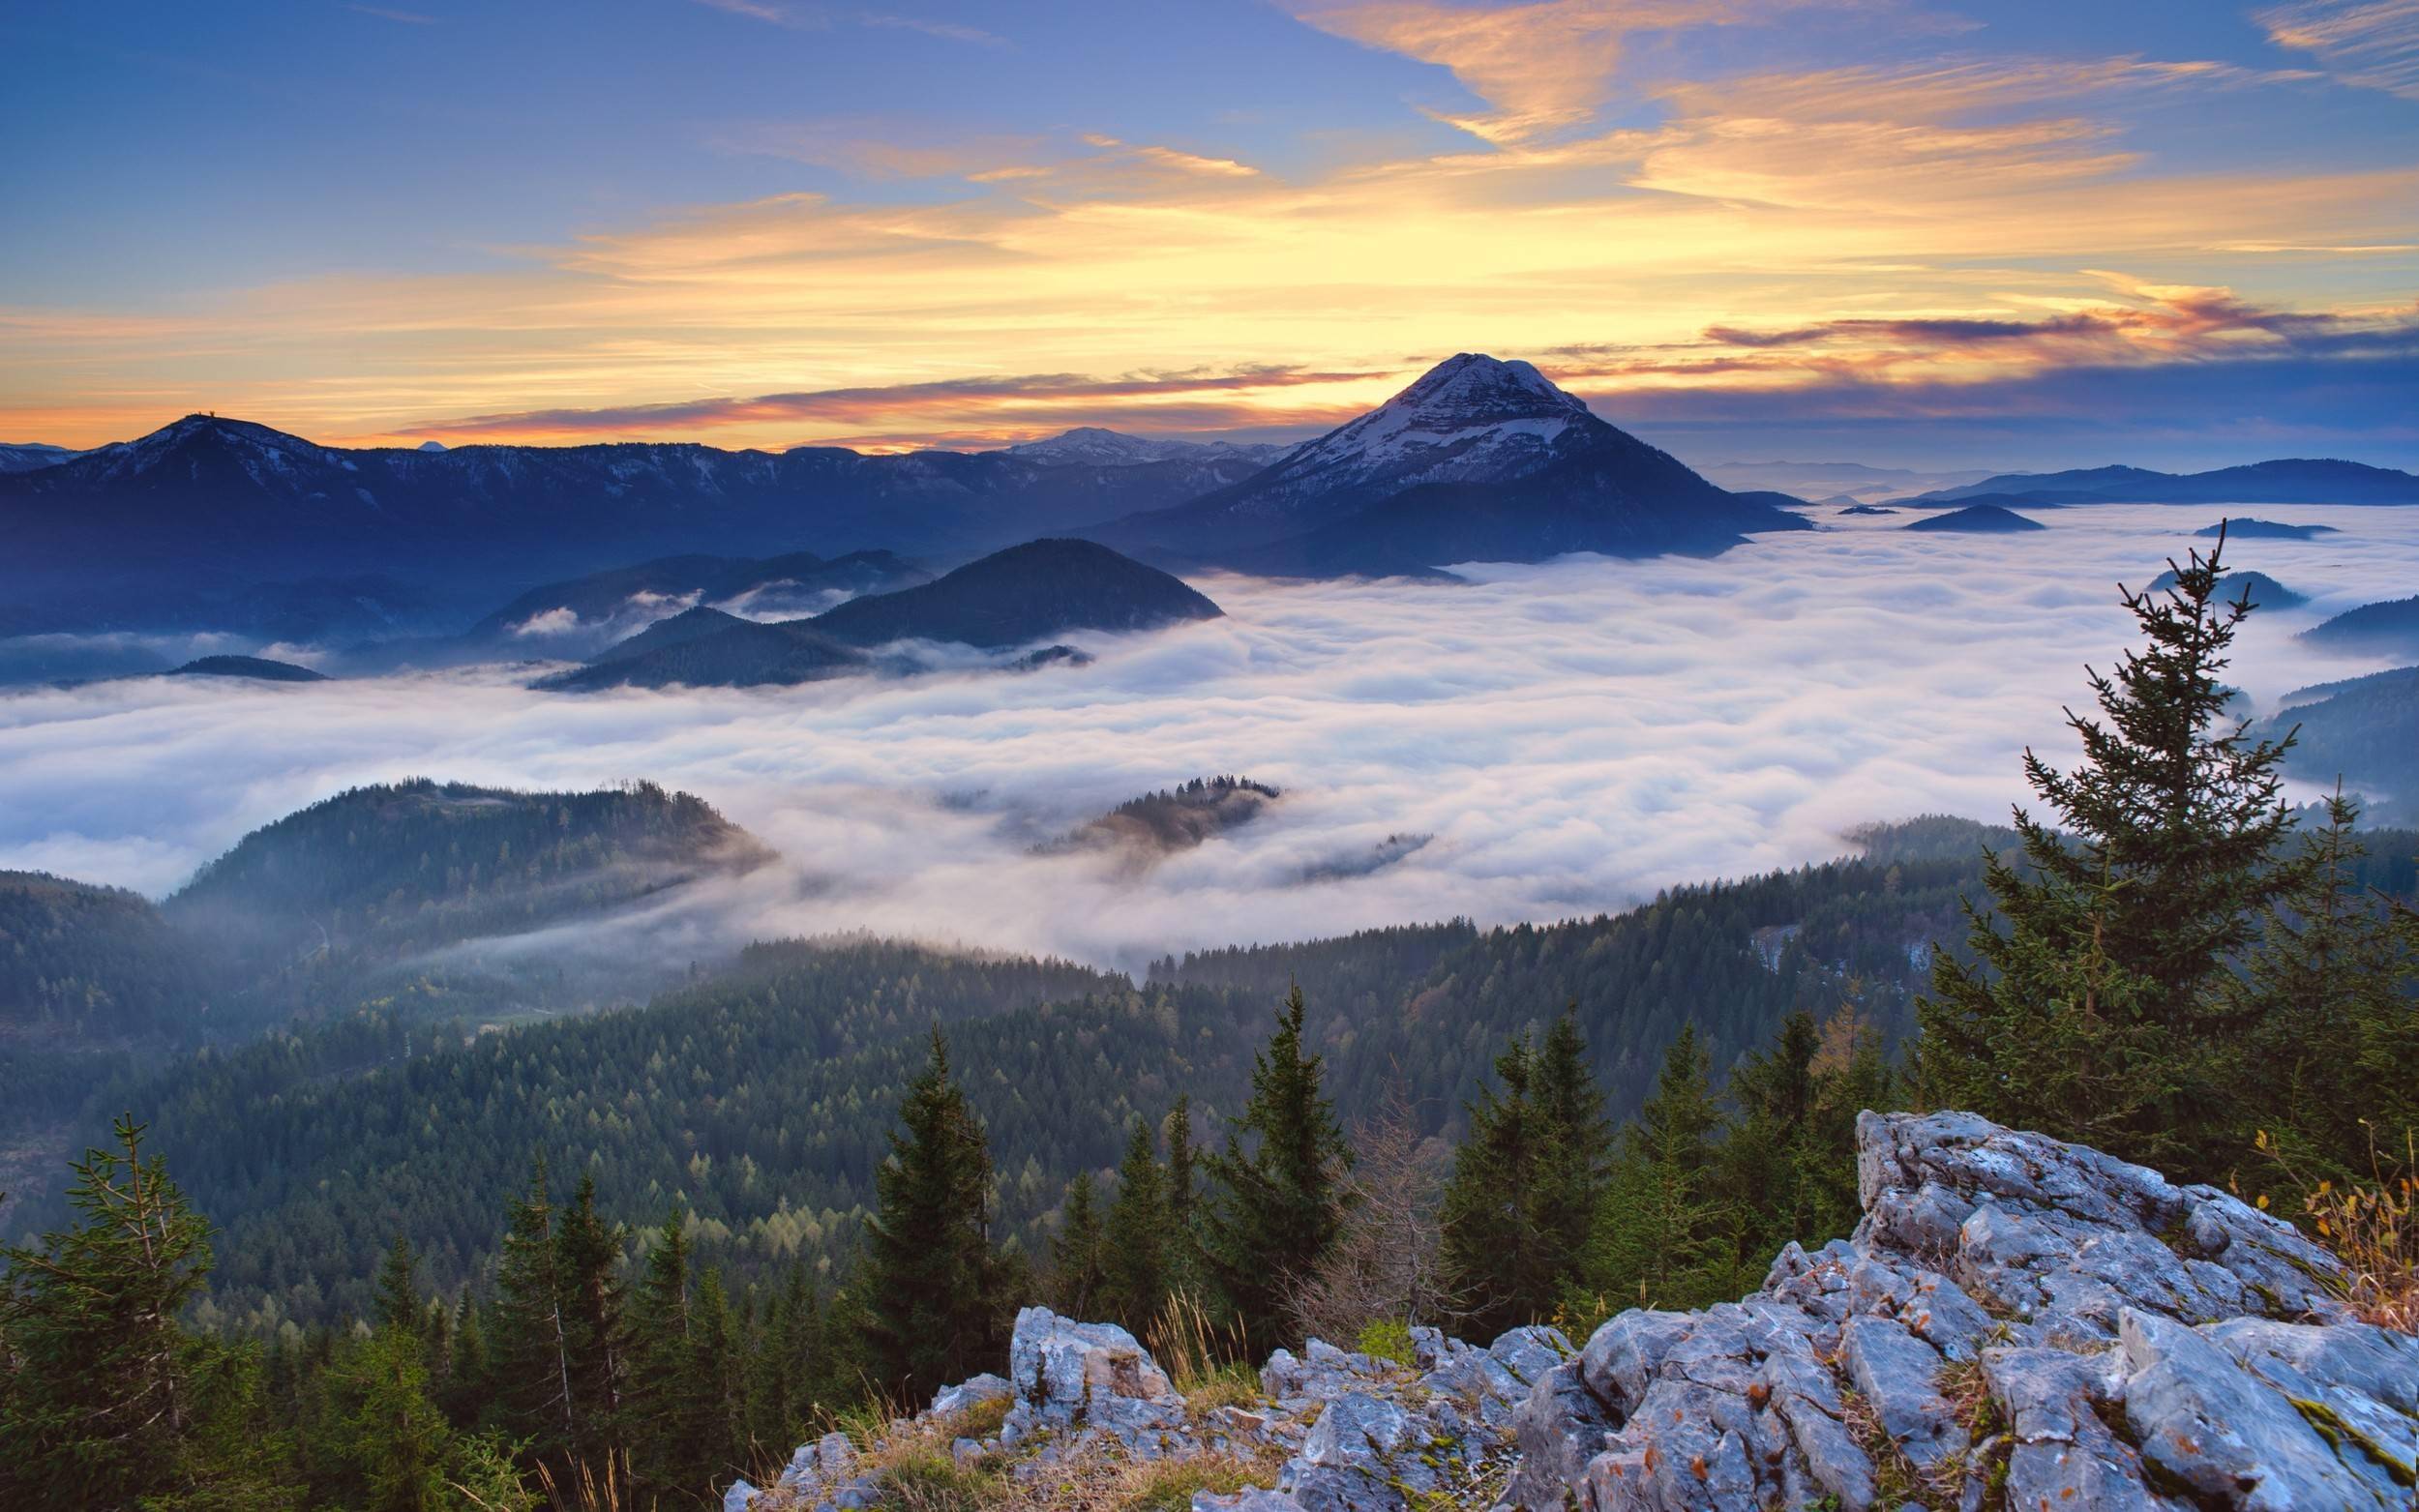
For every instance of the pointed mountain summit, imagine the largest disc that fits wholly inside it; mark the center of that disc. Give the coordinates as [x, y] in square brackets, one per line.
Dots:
[1479, 460]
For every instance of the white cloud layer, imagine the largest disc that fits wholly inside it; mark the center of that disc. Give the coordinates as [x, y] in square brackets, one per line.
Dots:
[1574, 736]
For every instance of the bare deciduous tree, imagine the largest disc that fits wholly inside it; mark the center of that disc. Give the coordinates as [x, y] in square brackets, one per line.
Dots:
[1385, 1265]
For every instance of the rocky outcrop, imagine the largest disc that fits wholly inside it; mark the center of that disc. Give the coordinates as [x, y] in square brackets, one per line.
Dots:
[2015, 1322]
[1331, 1429]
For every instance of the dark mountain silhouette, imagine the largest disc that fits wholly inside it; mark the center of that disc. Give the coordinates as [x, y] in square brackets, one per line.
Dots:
[1026, 593]
[26, 456]
[1478, 460]
[2266, 592]
[2284, 481]
[1011, 597]
[2387, 629]
[697, 650]
[258, 668]
[2263, 530]
[2364, 731]
[210, 506]
[1977, 520]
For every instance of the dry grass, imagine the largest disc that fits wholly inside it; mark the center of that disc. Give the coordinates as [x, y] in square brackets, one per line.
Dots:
[2372, 1228]
[1194, 1351]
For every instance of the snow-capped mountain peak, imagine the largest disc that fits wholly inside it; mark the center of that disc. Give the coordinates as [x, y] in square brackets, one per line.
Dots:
[1471, 418]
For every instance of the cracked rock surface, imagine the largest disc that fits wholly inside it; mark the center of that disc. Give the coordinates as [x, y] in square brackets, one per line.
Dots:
[2016, 1322]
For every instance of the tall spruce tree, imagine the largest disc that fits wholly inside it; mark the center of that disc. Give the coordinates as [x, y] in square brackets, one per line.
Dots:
[1076, 1251]
[596, 1337]
[1134, 1275]
[400, 1307]
[669, 1422]
[1498, 1279]
[1276, 1201]
[537, 1403]
[2157, 861]
[932, 1284]
[104, 1400]
[1520, 1207]
[1187, 1272]
[1667, 1232]
[2334, 1014]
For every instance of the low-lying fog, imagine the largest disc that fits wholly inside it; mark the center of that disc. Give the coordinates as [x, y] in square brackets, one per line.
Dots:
[1572, 736]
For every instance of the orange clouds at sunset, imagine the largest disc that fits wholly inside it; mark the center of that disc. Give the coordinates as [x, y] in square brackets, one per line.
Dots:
[1601, 187]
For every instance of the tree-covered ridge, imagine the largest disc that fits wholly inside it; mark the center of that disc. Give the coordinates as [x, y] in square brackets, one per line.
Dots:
[87, 962]
[413, 865]
[1174, 819]
[745, 1094]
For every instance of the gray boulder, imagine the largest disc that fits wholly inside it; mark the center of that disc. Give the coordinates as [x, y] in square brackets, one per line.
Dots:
[2014, 1317]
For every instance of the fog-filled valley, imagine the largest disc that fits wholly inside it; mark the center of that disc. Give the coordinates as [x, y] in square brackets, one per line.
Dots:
[1568, 737]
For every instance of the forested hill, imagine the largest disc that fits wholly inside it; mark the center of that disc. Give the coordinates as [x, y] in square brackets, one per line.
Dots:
[414, 865]
[83, 962]
[760, 1098]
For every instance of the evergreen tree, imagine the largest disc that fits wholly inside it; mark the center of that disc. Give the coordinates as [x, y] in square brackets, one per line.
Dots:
[2159, 862]
[1187, 1272]
[1077, 1252]
[668, 1417]
[1134, 1274]
[596, 1337]
[104, 1400]
[391, 1438]
[1277, 1204]
[931, 1280]
[399, 1295]
[536, 1402]
[2329, 995]
[717, 1371]
[467, 1387]
[1520, 1207]
[1497, 1276]
[1667, 1236]
[781, 1395]
[1789, 1156]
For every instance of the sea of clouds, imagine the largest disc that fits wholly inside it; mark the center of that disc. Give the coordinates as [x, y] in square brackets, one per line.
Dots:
[1573, 735]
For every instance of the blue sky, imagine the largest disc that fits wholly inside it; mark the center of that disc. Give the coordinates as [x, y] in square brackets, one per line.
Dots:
[2159, 231]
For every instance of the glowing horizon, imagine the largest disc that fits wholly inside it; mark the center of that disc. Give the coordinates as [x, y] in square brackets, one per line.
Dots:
[1884, 227]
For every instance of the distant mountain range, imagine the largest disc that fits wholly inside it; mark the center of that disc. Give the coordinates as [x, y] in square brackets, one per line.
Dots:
[1091, 446]
[223, 524]
[1839, 483]
[2285, 481]
[146, 533]
[1014, 598]
[26, 456]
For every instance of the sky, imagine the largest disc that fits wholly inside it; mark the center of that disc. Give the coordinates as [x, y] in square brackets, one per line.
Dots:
[1908, 232]
[1568, 736]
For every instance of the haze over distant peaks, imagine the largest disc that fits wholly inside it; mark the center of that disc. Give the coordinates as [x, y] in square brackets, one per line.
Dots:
[2290, 480]
[1094, 446]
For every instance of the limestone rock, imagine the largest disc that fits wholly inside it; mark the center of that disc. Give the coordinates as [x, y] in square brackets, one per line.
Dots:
[2015, 1316]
